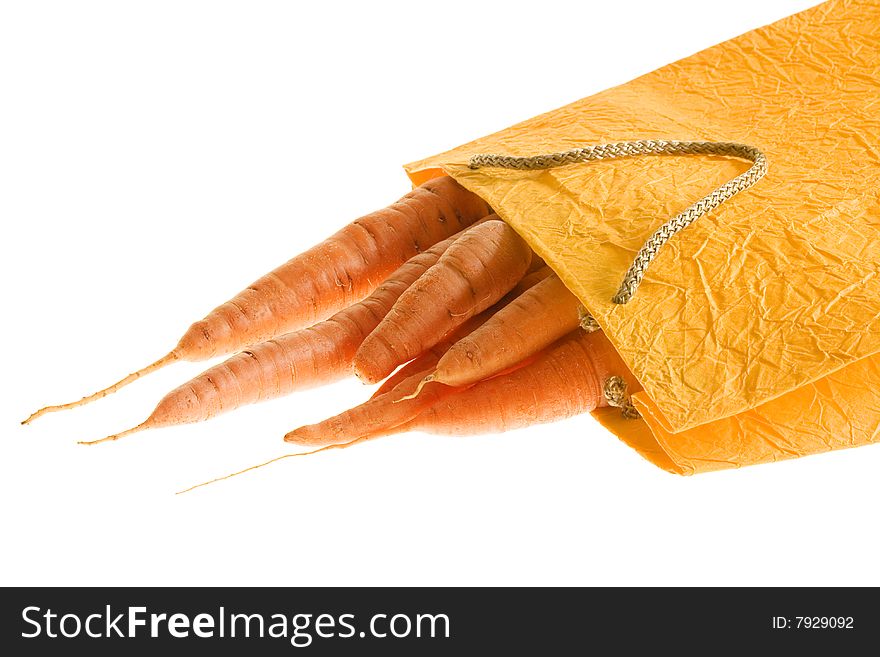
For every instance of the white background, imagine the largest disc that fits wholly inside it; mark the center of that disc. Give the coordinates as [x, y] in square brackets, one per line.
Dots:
[157, 157]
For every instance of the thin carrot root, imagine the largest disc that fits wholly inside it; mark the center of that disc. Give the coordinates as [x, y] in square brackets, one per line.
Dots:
[134, 376]
[265, 463]
[418, 390]
[424, 364]
[114, 436]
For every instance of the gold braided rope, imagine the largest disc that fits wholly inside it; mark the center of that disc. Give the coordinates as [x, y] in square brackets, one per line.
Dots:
[615, 390]
[587, 321]
[622, 149]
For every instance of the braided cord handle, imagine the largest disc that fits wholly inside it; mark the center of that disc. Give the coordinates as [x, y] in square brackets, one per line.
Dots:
[622, 149]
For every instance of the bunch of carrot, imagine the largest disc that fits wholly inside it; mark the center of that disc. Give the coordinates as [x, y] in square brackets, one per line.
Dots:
[488, 338]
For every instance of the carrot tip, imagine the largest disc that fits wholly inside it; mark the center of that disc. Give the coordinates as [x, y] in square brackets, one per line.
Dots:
[309, 439]
[296, 439]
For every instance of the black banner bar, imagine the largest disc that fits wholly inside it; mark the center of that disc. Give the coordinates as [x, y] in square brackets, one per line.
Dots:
[434, 621]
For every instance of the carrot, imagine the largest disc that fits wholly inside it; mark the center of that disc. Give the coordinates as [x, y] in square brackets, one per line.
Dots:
[429, 359]
[576, 366]
[528, 324]
[392, 404]
[481, 266]
[295, 361]
[382, 412]
[425, 363]
[565, 380]
[375, 415]
[324, 279]
[405, 394]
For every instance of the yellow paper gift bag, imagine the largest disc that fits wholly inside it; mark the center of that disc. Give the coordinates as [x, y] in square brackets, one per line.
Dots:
[755, 332]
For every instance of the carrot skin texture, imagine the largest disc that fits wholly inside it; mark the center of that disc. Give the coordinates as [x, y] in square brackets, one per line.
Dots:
[566, 380]
[335, 273]
[483, 265]
[528, 324]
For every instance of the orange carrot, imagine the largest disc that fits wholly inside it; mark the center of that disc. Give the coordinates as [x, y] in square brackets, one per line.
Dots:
[406, 393]
[375, 415]
[481, 266]
[324, 279]
[565, 380]
[383, 412]
[394, 402]
[429, 359]
[574, 367]
[294, 361]
[528, 324]
[425, 363]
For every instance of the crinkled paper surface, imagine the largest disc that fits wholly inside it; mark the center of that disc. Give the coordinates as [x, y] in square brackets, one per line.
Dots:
[773, 296]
